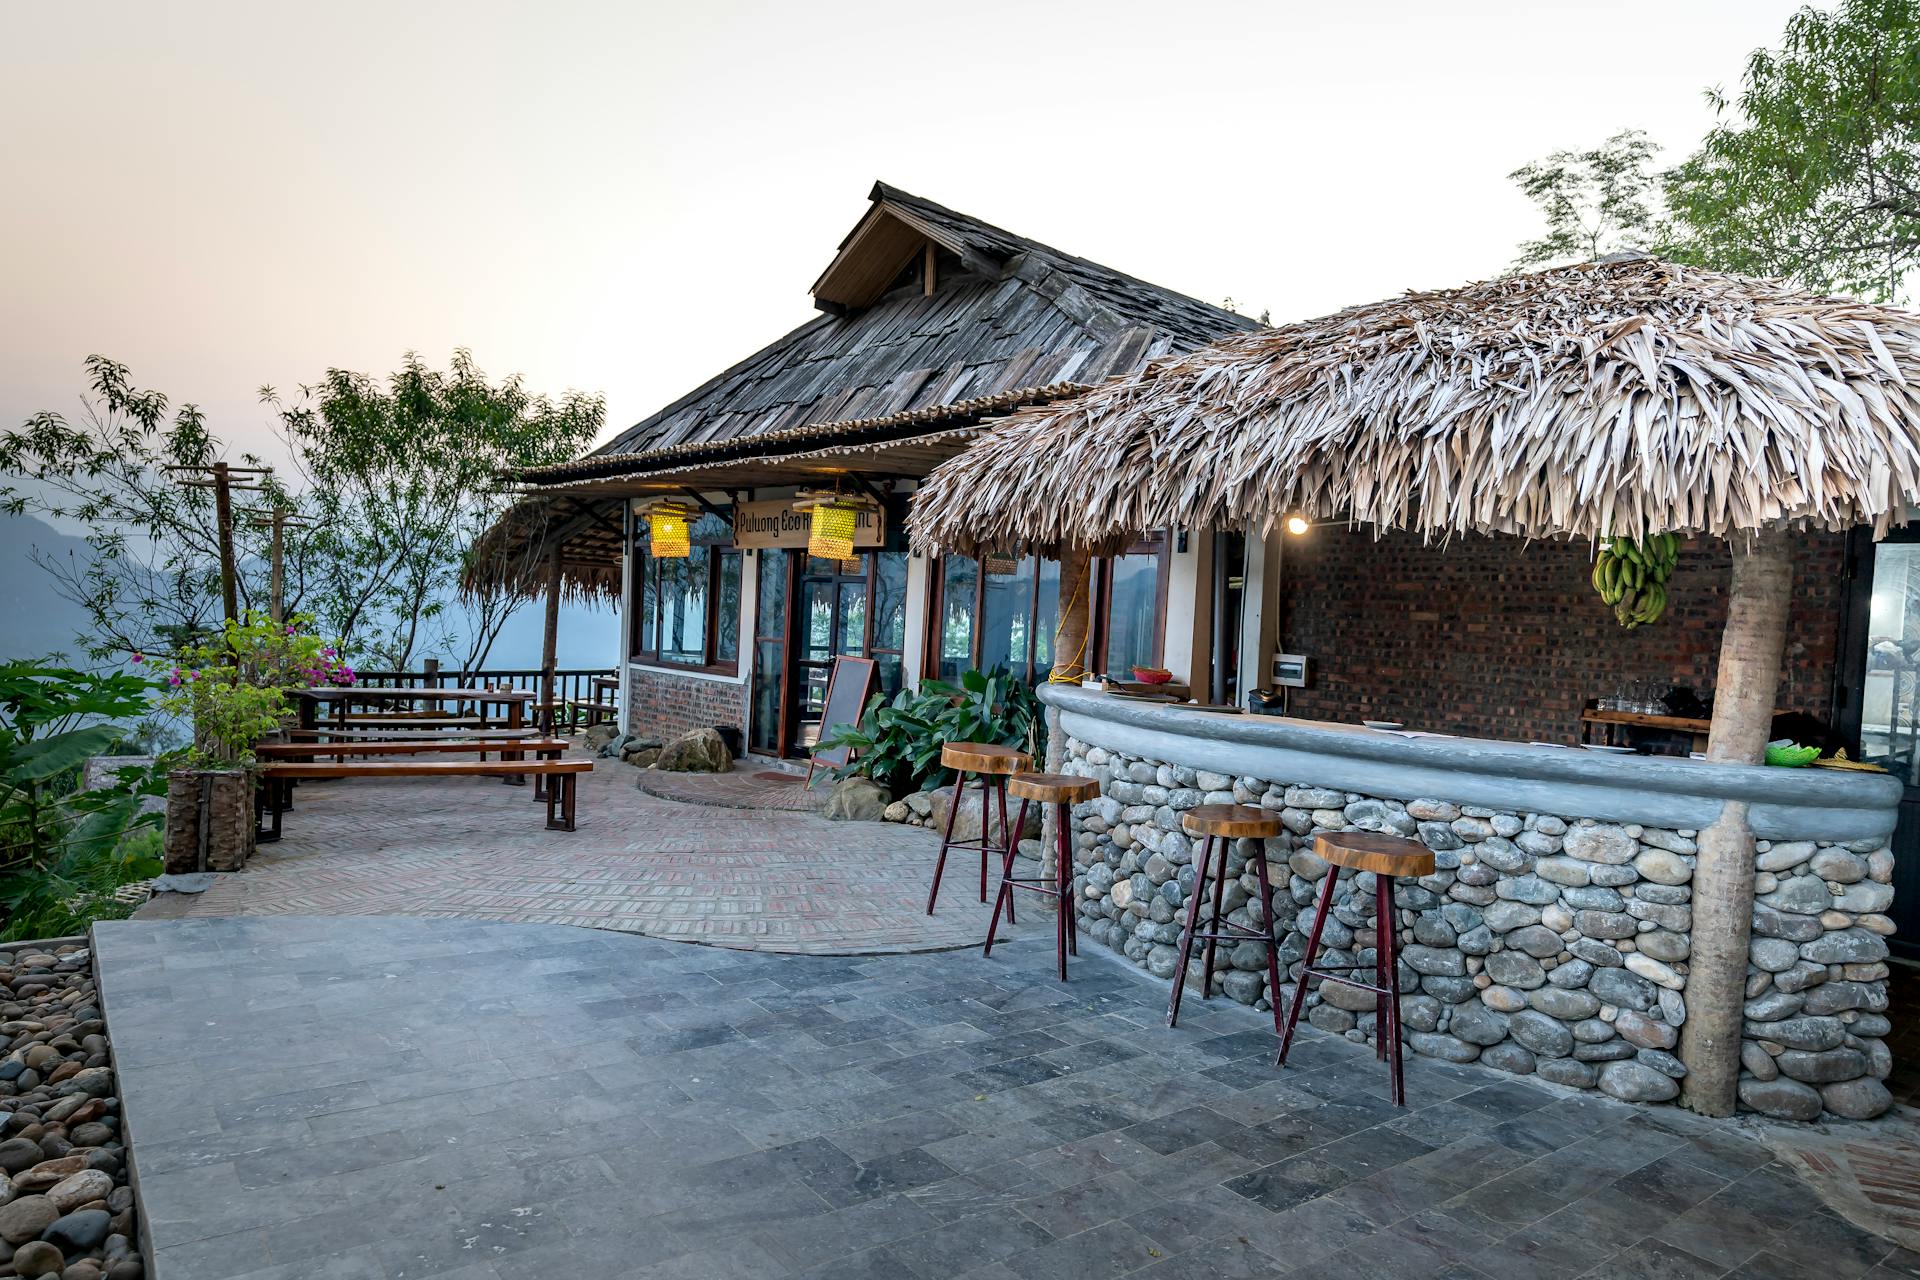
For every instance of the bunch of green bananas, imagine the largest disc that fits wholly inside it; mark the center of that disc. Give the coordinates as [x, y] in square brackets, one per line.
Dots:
[1632, 576]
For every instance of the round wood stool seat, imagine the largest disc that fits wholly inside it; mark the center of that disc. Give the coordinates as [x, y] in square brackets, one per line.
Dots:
[1384, 855]
[1052, 788]
[1235, 821]
[984, 757]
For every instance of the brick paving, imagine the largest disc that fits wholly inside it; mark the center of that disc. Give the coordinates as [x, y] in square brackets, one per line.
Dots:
[475, 849]
[377, 1099]
[744, 788]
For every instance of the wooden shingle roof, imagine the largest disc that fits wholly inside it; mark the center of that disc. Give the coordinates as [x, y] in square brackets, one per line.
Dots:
[1006, 313]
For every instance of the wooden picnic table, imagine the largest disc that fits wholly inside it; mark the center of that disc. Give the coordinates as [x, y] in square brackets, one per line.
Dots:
[342, 697]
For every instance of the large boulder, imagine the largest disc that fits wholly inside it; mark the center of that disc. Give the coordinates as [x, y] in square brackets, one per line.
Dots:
[857, 800]
[702, 751]
[640, 752]
[967, 825]
[599, 735]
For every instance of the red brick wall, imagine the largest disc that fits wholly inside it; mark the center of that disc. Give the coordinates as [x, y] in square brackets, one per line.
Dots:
[666, 703]
[1497, 637]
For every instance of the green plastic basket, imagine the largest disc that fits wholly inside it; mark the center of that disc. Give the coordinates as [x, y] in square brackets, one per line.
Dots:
[1792, 757]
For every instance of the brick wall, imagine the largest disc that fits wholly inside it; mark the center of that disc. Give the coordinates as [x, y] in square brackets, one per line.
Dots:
[1497, 637]
[666, 703]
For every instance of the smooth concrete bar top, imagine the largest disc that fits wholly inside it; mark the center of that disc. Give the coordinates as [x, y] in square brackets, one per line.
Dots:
[1656, 791]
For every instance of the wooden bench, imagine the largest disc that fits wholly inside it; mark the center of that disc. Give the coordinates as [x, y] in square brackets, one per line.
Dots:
[543, 748]
[560, 795]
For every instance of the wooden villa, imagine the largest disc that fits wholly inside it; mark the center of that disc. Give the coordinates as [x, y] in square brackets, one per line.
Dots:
[931, 323]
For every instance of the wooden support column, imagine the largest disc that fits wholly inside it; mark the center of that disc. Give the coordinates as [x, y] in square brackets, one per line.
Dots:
[1069, 664]
[1749, 678]
[550, 643]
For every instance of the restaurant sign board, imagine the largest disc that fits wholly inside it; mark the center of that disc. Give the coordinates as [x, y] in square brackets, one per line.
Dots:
[776, 523]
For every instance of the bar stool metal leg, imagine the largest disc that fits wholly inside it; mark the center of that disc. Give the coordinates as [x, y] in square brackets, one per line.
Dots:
[1063, 873]
[1005, 897]
[1200, 866]
[1219, 915]
[1273, 943]
[946, 840]
[1313, 946]
[1389, 945]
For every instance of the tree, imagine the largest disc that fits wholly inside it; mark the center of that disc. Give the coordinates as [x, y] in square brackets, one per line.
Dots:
[1813, 172]
[1595, 202]
[152, 579]
[394, 481]
[401, 478]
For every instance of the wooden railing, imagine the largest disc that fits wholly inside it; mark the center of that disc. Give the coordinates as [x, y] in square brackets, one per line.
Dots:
[569, 683]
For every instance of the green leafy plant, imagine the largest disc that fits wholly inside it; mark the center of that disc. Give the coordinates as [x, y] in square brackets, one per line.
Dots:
[897, 742]
[81, 886]
[58, 838]
[236, 689]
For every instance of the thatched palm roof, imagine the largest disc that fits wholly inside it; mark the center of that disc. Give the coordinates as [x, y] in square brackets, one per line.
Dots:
[1629, 395]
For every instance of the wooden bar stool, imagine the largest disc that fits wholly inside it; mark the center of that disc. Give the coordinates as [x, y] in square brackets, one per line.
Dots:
[992, 764]
[1062, 791]
[1220, 823]
[1387, 857]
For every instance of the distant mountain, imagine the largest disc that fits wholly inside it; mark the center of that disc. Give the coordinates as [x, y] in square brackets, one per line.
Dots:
[36, 621]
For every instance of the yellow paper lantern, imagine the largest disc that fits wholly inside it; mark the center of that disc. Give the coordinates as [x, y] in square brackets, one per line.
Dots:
[668, 524]
[831, 537]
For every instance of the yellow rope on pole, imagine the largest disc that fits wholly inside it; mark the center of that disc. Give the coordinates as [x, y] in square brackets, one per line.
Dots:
[1070, 672]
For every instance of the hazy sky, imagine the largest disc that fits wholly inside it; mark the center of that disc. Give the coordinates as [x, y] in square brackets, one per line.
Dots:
[626, 197]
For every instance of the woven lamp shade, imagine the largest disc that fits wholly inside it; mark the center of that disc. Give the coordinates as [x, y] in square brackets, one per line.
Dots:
[668, 527]
[831, 537]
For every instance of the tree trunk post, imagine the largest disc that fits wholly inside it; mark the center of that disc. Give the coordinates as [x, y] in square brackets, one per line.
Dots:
[550, 642]
[1069, 664]
[1751, 647]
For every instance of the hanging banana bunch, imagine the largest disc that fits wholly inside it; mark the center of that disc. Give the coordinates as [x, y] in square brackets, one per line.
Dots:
[1632, 576]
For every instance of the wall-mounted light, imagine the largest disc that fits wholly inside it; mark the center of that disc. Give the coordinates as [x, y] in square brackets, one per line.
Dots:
[1298, 524]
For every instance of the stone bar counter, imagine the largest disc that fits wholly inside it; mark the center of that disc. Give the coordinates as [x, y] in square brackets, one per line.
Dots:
[1552, 938]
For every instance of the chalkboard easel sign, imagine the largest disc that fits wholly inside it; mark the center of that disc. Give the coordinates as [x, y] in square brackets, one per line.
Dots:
[847, 686]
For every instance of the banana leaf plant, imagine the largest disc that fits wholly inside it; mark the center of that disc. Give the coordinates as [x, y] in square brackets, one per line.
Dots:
[53, 833]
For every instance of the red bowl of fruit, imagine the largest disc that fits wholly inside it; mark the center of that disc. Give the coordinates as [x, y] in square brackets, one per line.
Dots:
[1152, 675]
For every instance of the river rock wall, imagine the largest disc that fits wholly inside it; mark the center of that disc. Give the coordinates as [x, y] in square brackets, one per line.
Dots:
[1542, 944]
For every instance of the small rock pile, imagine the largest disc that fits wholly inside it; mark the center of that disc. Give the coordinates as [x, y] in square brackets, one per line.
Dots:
[66, 1210]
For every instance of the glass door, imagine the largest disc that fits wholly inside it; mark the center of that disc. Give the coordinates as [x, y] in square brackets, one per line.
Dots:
[772, 571]
[830, 616]
[1884, 657]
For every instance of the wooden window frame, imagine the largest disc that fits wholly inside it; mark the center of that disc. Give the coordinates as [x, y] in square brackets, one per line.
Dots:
[936, 611]
[717, 555]
[1159, 543]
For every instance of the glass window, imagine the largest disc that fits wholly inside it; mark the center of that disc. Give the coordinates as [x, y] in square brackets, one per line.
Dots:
[688, 607]
[890, 600]
[1890, 704]
[726, 621]
[958, 577]
[1133, 611]
[683, 607]
[853, 619]
[1006, 615]
[1046, 616]
[772, 612]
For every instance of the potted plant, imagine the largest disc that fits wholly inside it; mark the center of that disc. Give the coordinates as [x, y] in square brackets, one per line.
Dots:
[236, 692]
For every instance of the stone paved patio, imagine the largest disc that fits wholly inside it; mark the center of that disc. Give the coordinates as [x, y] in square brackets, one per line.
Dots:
[368, 1099]
[472, 848]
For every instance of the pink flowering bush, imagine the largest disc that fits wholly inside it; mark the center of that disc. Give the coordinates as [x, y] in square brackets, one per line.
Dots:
[237, 688]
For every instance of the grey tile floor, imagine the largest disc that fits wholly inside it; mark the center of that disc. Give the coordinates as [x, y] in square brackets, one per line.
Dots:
[381, 1099]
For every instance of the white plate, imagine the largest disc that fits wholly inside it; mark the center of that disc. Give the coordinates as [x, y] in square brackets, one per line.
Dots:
[1612, 751]
[1388, 725]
